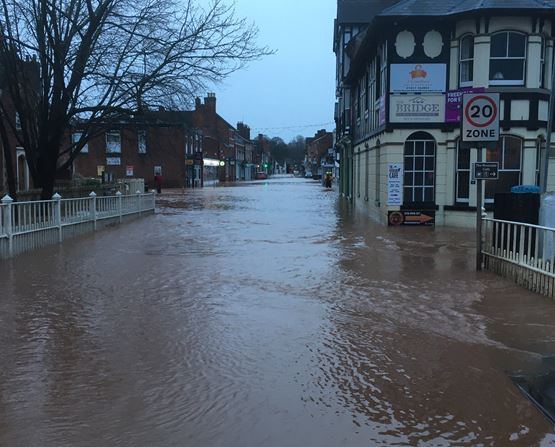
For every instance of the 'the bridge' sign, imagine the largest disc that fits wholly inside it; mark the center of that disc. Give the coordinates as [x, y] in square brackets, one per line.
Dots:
[480, 120]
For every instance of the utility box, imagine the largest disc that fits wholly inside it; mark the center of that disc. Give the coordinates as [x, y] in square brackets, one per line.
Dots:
[517, 207]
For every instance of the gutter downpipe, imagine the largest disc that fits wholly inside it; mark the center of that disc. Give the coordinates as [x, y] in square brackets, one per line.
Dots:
[549, 129]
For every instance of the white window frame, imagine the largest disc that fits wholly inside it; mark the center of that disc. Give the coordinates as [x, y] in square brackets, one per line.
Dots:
[141, 142]
[423, 171]
[113, 147]
[457, 170]
[17, 121]
[515, 82]
[469, 60]
[503, 139]
[75, 137]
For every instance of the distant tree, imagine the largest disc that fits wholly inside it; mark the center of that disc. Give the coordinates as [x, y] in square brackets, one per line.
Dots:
[297, 148]
[100, 59]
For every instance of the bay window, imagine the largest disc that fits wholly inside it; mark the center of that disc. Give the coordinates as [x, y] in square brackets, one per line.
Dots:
[507, 63]
[466, 61]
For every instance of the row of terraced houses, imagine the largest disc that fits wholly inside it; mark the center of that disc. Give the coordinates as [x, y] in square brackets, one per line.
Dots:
[185, 148]
[402, 67]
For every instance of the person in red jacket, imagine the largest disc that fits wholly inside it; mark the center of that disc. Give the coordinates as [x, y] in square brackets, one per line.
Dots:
[158, 183]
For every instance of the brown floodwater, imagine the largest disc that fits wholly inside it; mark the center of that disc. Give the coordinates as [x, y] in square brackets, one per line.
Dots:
[267, 314]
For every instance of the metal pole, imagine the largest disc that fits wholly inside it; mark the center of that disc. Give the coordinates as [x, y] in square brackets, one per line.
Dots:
[479, 184]
[549, 129]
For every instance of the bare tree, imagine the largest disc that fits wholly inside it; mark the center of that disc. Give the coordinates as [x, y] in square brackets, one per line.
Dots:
[89, 61]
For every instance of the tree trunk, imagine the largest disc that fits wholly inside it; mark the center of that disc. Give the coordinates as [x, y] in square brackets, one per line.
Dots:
[8, 161]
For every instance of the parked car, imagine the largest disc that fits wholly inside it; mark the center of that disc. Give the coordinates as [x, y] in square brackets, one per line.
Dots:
[261, 176]
[308, 174]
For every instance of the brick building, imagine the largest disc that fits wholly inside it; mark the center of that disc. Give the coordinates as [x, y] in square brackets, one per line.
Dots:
[319, 152]
[142, 146]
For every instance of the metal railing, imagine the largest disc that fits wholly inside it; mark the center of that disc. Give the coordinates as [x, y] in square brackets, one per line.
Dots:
[25, 226]
[522, 252]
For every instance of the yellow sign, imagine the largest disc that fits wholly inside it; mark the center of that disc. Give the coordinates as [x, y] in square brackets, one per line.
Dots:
[189, 162]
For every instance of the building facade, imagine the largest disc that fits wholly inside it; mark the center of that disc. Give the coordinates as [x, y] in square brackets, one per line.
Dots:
[407, 71]
[144, 146]
[319, 153]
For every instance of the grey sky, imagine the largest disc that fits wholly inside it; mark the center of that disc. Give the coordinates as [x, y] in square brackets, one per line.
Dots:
[294, 87]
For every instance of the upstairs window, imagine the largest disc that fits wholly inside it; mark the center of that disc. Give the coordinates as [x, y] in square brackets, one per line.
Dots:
[466, 61]
[141, 142]
[542, 65]
[113, 142]
[507, 58]
[75, 138]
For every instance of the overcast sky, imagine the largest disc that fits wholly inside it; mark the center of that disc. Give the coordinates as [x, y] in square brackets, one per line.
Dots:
[294, 87]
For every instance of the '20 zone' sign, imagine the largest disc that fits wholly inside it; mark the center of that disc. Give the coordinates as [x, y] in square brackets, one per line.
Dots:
[480, 120]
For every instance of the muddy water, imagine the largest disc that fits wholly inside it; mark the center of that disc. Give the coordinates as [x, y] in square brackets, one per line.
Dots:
[266, 315]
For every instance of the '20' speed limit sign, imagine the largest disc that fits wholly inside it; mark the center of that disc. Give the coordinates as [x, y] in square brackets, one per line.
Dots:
[480, 117]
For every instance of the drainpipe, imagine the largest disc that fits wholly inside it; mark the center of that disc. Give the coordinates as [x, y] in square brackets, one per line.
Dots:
[545, 155]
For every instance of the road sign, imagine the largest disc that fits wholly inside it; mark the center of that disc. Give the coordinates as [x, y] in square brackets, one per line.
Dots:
[480, 120]
[486, 171]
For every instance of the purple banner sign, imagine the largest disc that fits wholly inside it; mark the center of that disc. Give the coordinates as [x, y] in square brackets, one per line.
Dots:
[453, 103]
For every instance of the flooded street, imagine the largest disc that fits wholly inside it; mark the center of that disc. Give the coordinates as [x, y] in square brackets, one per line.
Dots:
[267, 314]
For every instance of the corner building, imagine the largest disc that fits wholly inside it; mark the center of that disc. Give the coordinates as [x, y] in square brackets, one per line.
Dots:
[400, 81]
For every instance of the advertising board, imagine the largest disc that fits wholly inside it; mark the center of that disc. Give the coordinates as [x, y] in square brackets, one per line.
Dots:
[418, 78]
[416, 108]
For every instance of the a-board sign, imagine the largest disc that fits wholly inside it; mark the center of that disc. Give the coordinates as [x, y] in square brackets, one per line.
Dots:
[480, 118]
[486, 170]
[411, 218]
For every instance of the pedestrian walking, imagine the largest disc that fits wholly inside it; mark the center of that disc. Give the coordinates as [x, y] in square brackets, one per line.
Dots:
[158, 183]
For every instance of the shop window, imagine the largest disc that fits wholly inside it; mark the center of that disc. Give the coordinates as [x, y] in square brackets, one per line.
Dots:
[463, 174]
[419, 177]
[507, 58]
[508, 153]
[540, 147]
[466, 61]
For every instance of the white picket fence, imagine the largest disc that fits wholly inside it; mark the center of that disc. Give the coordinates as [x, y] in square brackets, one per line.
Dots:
[25, 226]
[522, 252]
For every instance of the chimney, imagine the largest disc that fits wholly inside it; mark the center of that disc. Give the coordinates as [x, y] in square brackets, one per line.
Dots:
[198, 103]
[244, 130]
[210, 102]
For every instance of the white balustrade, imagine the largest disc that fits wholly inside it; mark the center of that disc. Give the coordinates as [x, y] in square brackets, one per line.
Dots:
[28, 225]
[523, 252]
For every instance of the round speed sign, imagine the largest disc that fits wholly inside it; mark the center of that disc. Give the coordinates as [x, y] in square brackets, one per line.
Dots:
[481, 117]
[481, 111]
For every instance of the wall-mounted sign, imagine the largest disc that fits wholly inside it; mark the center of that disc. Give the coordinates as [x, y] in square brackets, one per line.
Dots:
[129, 171]
[453, 103]
[480, 120]
[113, 161]
[99, 170]
[395, 184]
[189, 162]
[418, 78]
[381, 111]
[416, 108]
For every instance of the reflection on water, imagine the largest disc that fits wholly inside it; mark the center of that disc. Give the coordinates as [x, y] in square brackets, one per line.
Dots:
[267, 314]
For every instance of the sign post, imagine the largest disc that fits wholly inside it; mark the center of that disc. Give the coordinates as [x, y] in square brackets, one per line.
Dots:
[480, 124]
